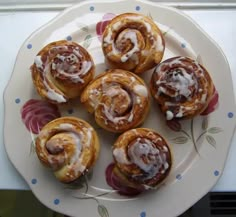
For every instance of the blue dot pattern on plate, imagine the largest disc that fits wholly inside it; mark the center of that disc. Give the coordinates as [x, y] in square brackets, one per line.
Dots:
[91, 8]
[68, 38]
[34, 181]
[17, 100]
[183, 45]
[230, 114]
[143, 214]
[179, 176]
[137, 8]
[216, 172]
[70, 111]
[56, 201]
[29, 46]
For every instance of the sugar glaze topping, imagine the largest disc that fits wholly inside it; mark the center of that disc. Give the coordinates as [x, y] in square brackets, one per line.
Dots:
[55, 148]
[130, 35]
[118, 102]
[61, 61]
[181, 80]
[143, 153]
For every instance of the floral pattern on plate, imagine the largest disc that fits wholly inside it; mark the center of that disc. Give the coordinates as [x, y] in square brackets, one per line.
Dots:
[37, 113]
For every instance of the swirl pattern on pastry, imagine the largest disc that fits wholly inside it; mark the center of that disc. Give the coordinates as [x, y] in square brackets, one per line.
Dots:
[133, 42]
[61, 70]
[142, 158]
[119, 100]
[69, 146]
[182, 87]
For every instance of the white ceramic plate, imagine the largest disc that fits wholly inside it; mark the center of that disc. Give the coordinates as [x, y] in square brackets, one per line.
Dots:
[193, 174]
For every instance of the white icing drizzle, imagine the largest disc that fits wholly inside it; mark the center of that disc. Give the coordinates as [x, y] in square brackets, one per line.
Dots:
[89, 136]
[108, 38]
[182, 81]
[133, 38]
[131, 116]
[165, 148]
[66, 126]
[203, 98]
[52, 160]
[148, 26]
[116, 25]
[120, 156]
[124, 35]
[138, 100]
[53, 95]
[134, 18]
[63, 67]
[159, 44]
[141, 90]
[75, 162]
[76, 139]
[156, 159]
[110, 117]
[54, 145]
[180, 113]
[169, 115]
[38, 62]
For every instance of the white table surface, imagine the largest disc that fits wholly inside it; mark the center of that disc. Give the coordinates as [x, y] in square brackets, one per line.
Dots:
[17, 26]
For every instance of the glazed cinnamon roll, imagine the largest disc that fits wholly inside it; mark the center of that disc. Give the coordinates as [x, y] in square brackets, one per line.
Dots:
[143, 159]
[182, 87]
[132, 42]
[119, 100]
[61, 70]
[69, 146]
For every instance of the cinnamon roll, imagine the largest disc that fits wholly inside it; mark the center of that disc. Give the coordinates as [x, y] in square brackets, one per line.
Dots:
[69, 146]
[61, 70]
[118, 99]
[182, 87]
[132, 42]
[143, 159]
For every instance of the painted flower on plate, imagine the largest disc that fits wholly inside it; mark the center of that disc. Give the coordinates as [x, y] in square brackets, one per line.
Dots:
[117, 185]
[101, 25]
[37, 113]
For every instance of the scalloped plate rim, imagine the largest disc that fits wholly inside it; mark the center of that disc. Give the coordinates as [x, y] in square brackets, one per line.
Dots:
[76, 6]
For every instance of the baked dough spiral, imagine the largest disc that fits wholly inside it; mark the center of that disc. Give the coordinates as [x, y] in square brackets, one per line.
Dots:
[69, 146]
[182, 87]
[142, 158]
[119, 100]
[61, 70]
[132, 42]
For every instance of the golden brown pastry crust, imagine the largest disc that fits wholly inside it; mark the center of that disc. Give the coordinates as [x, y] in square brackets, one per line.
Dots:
[182, 87]
[61, 70]
[142, 157]
[69, 146]
[119, 99]
[132, 42]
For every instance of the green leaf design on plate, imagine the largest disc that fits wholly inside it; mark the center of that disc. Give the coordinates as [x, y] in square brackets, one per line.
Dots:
[90, 175]
[180, 140]
[199, 59]
[80, 183]
[87, 41]
[211, 140]
[102, 210]
[205, 123]
[74, 186]
[83, 27]
[32, 147]
[214, 130]
[149, 15]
